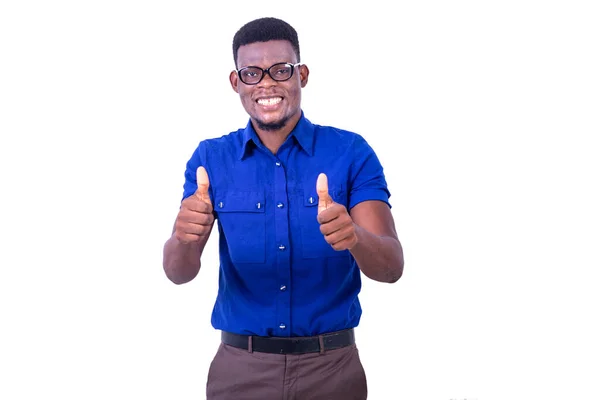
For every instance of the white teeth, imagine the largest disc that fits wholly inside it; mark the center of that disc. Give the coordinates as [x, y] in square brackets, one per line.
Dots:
[270, 102]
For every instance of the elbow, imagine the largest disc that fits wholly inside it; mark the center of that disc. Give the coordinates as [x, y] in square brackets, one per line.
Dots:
[396, 271]
[177, 280]
[396, 268]
[396, 275]
[180, 276]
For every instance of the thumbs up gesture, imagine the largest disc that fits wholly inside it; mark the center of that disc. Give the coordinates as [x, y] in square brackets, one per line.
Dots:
[195, 218]
[337, 226]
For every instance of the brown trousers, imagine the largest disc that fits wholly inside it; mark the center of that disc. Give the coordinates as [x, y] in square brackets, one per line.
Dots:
[237, 374]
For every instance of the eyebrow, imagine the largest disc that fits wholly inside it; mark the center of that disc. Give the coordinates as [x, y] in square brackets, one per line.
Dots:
[278, 62]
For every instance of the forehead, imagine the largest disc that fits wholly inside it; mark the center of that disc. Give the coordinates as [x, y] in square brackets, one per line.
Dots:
[265, 54]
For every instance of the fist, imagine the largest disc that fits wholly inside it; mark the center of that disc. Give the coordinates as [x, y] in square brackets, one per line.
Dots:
[337, 226]
[195, 218]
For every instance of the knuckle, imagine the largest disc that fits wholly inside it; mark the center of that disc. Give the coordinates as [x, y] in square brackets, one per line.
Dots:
[206, 219]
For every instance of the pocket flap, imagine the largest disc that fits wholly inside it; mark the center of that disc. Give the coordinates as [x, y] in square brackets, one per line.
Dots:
[312, 199]
[240, 202]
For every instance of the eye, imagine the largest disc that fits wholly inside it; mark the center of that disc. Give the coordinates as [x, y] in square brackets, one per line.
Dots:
[282, 71]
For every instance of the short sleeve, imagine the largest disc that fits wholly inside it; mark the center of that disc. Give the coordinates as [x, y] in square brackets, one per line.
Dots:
[367, 176]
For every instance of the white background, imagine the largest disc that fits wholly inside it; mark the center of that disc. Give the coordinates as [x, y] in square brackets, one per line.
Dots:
[483, 113]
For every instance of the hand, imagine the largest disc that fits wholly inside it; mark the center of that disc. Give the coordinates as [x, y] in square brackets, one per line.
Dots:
[195, 218]
[336, 224]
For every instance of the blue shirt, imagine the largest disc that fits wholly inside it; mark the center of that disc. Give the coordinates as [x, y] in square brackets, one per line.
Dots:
[278, 276]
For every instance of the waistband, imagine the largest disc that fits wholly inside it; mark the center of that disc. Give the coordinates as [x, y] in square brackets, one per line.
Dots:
[290, 345]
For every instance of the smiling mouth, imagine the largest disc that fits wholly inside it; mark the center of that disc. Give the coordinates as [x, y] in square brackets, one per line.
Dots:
[271, 101]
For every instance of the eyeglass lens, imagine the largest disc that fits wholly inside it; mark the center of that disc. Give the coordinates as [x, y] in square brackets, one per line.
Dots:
[278, 72]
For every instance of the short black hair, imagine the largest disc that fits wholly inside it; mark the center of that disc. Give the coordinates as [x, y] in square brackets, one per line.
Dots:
[263, 30]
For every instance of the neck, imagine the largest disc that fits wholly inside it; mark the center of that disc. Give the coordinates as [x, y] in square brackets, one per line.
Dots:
[274, 138]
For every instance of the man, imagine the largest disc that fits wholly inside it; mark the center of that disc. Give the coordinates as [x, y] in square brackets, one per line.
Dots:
[301, 210]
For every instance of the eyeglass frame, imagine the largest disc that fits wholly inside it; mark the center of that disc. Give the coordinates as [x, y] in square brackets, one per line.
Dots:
[268, 72]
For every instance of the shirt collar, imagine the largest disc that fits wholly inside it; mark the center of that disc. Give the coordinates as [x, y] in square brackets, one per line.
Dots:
[303, 132]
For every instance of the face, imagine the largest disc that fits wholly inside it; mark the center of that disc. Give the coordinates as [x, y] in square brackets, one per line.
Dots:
[272, 105]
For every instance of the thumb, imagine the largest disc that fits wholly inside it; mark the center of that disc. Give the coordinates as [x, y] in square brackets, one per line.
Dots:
[325, 199]
[203, 184]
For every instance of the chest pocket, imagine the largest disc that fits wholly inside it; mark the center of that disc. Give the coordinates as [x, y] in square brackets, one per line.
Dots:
[242, 218]
[313, 242]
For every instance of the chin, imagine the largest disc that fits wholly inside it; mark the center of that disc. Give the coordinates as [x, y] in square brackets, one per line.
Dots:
[271, 125]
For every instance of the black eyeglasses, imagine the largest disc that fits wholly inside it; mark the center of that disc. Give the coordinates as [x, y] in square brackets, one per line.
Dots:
[278, 72]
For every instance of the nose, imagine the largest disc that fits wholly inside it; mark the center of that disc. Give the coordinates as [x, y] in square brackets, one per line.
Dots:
[267, 81]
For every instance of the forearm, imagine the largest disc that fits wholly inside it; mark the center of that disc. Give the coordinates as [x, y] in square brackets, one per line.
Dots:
[379, 257]
[181, 262]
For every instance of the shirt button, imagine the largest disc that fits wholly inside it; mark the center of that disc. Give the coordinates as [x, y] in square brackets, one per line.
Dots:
[282, 326]
[281, 247]
[311, 200]
[282, 288]
[280, 205]
[278, 164]
[221, 204]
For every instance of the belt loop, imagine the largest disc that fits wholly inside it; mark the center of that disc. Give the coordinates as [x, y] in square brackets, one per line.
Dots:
[249, 343]
[321, 345]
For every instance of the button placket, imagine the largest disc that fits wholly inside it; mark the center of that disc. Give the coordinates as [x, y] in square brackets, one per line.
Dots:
[282, 237]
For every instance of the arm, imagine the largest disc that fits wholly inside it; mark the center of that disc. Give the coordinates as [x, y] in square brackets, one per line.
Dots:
[182, 251]
[367, 231]
[377, 250]
[181, 260]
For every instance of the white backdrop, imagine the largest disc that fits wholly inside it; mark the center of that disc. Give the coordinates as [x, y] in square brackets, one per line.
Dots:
[482, 113]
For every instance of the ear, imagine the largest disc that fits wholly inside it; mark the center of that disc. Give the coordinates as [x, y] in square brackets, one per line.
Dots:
[233, 79]
[304, 71]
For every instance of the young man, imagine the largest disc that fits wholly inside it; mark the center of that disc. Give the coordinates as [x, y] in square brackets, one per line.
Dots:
[301, 210]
